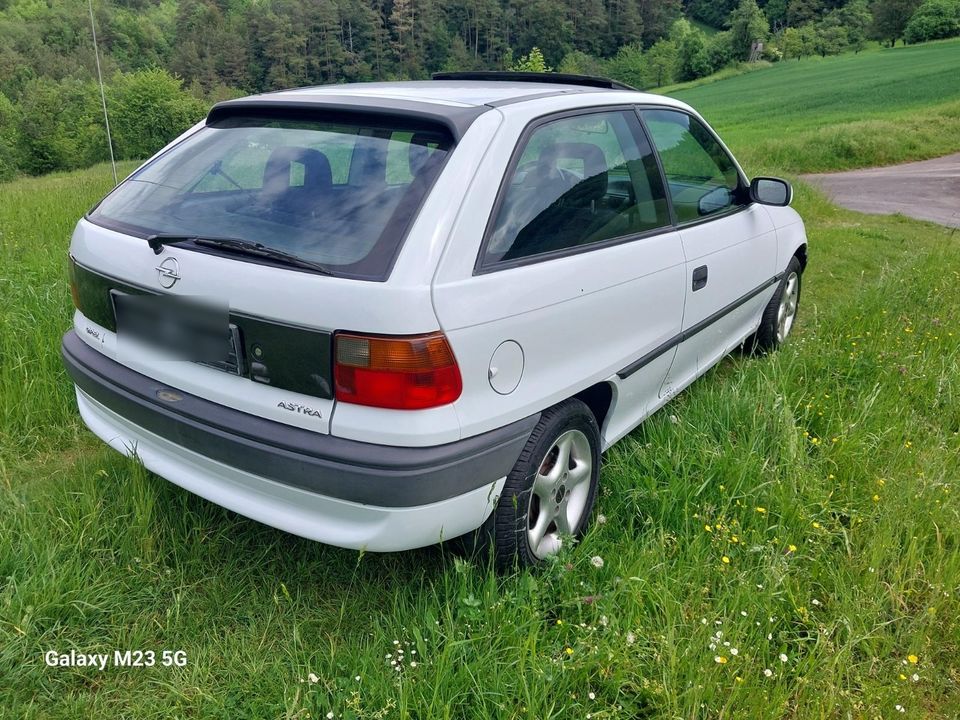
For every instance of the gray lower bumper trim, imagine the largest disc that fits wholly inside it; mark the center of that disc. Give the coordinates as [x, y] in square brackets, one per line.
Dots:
[359, 472]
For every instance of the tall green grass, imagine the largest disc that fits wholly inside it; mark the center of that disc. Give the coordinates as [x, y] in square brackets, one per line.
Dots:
[803, 505]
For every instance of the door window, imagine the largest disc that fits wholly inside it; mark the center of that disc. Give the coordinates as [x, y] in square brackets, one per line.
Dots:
[579, 181]
[702, 178]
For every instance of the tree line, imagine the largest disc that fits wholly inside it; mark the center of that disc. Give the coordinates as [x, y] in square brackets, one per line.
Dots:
[165, 61]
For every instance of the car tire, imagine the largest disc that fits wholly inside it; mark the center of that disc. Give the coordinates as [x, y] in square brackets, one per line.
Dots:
[542, 503]
[780, 314]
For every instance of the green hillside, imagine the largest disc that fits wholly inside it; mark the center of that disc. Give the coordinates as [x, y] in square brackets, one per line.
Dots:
[875, 108]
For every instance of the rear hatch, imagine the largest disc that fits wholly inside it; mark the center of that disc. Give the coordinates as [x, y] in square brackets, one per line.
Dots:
[287, 218]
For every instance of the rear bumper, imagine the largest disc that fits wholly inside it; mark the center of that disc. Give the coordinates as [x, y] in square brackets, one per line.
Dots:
[339, 491]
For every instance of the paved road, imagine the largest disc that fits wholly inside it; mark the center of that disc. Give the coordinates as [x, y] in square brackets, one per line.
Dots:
[928, 190]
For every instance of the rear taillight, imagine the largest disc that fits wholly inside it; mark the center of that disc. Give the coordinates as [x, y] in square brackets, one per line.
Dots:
[401, 373]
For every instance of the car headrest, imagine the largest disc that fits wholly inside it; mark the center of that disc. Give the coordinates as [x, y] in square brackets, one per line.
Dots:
[317, 174]
[593, 186]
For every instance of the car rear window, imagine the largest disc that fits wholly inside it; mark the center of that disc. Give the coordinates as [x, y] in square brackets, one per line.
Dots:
[341, 191]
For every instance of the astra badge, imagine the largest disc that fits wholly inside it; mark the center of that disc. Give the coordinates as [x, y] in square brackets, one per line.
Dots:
[298, 408]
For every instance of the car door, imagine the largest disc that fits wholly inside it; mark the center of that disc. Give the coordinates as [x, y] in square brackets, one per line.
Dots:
[579, 272]
[729, 243]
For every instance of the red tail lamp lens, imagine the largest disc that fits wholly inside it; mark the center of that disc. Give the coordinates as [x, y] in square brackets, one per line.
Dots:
[400, 373]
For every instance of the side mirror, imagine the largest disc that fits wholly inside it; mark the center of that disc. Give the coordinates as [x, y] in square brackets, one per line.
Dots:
[771, 191]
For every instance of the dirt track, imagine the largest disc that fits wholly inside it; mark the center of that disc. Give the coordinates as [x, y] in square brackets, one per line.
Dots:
[928, 190]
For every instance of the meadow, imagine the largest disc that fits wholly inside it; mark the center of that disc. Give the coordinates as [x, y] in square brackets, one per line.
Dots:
[783, 540]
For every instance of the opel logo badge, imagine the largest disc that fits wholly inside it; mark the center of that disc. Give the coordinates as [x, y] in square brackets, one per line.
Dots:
[168, 272]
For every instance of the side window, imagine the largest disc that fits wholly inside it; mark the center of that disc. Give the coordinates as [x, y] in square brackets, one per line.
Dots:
[579, 180]
[701, 176]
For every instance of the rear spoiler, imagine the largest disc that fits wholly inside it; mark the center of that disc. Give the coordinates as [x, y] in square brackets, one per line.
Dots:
[415, 115]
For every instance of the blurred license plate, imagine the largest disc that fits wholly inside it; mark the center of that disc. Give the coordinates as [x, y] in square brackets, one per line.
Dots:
[175, 328]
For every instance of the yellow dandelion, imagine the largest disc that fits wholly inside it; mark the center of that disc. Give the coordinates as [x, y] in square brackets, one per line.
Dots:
[761, 510]
[876, 498]
[569, 651]
[720, 660]
[913, 659]
[816, 525]
[725, 560]
[708, 528]
[792, 548]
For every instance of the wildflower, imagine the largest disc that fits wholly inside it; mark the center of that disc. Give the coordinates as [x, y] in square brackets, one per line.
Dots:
[816, 525]
[900, 708]
[902, 676]
[915, 677]
[814, 602]
[559, 621]
[876, 498]
[413, 664]
[596, 561]
[569, 651]
[631, 638]
[708, 528]
[313, 679]
[720, 659]
[792, 548]
[734, 652]
[601, 519]
[783, 657]
[330, 715]
[767, 672]
[760, 510]
[725, 560]
[592, 696]
[913, 659]
[357, 678]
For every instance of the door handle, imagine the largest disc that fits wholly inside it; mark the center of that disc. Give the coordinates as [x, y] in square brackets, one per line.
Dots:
[699, 277]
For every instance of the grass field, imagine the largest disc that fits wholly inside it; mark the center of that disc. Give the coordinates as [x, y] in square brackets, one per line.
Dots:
[782, 541]
[881, 107]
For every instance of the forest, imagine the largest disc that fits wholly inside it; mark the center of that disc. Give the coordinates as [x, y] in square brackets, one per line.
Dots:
[165, 61]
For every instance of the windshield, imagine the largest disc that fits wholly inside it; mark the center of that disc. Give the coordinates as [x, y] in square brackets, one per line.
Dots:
[341, 194]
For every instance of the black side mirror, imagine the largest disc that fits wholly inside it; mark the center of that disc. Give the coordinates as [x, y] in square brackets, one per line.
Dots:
[771, 191]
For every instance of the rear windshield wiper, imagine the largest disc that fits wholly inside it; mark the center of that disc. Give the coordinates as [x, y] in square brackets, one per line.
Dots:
[240, 246]
[261, 250]
[156, 242]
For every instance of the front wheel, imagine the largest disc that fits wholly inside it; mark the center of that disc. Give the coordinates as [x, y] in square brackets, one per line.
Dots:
[549, 495]
[780, 313]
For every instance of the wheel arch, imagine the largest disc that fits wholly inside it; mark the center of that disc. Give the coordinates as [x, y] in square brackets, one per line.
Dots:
[599, 398]
[801, 255]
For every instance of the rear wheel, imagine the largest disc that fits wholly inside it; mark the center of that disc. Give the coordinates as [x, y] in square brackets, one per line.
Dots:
[549, 495]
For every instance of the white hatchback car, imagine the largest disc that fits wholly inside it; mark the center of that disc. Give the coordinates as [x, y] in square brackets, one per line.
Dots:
[384, 315]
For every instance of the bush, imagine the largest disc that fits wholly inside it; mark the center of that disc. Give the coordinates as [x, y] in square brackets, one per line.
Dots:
[148, 109]
[58, 126]
[628, 66]
[720, 50]
[934, 20]
[8, 165]
[693, 58]
[580, 63]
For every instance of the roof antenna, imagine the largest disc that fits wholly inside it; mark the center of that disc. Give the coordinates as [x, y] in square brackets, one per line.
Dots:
[103, 97]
